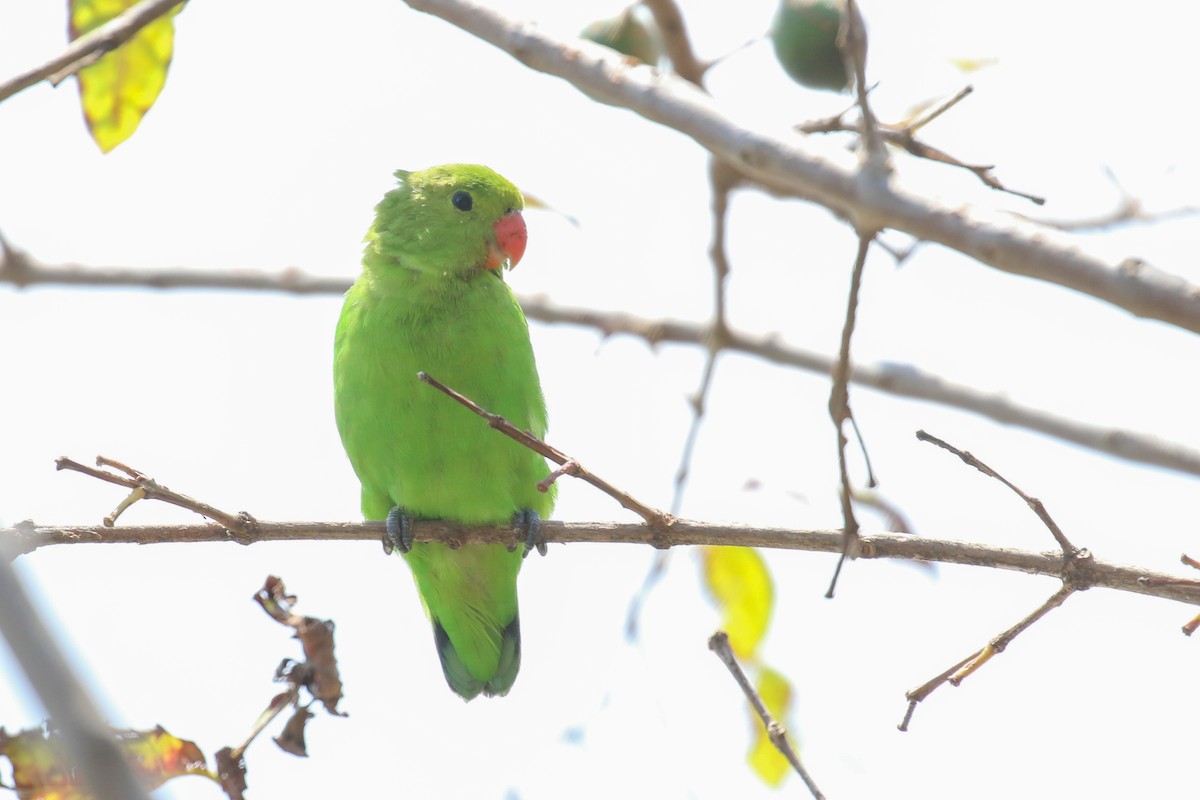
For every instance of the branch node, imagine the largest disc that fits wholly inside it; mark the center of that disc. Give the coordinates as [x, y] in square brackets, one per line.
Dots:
[569, 468]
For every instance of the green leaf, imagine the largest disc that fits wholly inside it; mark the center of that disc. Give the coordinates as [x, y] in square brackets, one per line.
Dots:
[118, 90]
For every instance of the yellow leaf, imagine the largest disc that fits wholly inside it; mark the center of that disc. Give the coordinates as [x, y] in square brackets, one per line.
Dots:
[37, 766]
[765, 759]
[118, 90]
[158, 756]
[40, 771]
[969, 65]
[738, 581]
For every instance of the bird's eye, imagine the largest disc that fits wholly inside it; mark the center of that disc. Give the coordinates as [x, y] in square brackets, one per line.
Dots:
[462, 201]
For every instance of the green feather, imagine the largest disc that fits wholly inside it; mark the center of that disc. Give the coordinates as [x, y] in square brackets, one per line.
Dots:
[426, 302]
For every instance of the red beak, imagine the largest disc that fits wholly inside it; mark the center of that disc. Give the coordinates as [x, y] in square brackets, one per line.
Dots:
[510, 241]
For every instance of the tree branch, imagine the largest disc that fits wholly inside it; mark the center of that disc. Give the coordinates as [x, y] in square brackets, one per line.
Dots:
[787, 164]
[678, 44]
[654, 518]
[90, 47]
[27, 537]
[903, 380]
[776, 732]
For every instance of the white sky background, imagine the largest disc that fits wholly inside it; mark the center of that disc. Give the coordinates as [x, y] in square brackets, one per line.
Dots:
[278, 130]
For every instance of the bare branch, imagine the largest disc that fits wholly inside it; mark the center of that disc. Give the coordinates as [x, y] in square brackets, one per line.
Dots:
[904, 137]
[90, 47]
[839, 408]
[899, 379]
[722, 181]
[655, 519]
[852, 41]
[719, 644]
[939, 109]
[998, 645]
[1036, 505]
[785, 163]
[960, 671]
[27, 537]
[676, 41]
[21, 270]
[237, 525]
[1129, 209]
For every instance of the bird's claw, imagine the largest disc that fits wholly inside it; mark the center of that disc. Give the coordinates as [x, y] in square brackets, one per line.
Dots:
[528, 522]
[399, 535]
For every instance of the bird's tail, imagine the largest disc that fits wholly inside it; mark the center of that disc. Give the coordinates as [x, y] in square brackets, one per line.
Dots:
[466, 685]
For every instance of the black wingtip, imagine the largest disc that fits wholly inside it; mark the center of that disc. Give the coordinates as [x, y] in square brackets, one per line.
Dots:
[460, 679]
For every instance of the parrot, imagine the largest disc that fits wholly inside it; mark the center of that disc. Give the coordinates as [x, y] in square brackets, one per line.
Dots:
[432, 298]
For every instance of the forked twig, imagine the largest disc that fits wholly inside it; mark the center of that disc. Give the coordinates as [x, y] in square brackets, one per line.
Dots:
[240, 526]
[1078, 573]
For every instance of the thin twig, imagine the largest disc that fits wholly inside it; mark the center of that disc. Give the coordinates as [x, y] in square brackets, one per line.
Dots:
[721, 184]
[997, 645]
[904, 137]
[839, 408]
[19, 269]
[872, 481]
[1129, 209]
[87, 48]
[1035, 505]
[1190, 627]
[238, 526]
[852, 41]
[278, 703]
[956, 674]
[939, 109]
[719, 644]
[924, 690]
[676, 40]
[655, 519]
[1075, 563]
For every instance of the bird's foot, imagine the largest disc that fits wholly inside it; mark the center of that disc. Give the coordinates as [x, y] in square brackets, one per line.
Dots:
[528, 525]
[399, 535]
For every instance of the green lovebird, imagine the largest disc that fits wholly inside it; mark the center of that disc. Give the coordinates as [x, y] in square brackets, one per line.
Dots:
[432, 298]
